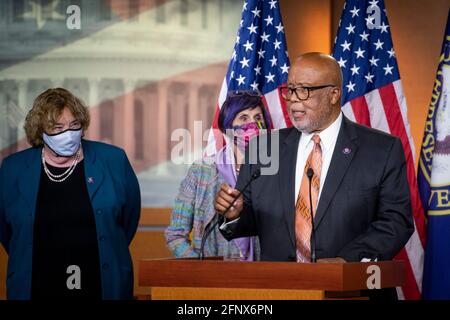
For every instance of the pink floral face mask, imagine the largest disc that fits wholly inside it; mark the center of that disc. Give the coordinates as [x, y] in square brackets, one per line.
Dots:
[244, 133]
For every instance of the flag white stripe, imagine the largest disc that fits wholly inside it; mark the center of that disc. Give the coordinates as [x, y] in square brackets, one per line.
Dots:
[275, 109]
[210, 149]
[378, 118]
[223, 92]
[415, 253]
[400, 294]
[398, 88]
[414, 248]
[348, 111]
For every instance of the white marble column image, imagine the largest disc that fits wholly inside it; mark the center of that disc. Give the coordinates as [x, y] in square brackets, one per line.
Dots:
[22, 105]
[151, 124]
[22, 95]
[93, 132]
[57, 82]
[4, 134]
[127, 123]
[163, 134]
[192, 116]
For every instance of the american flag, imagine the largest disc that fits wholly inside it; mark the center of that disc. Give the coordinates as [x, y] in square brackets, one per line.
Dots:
[259, 62]
[373, 96]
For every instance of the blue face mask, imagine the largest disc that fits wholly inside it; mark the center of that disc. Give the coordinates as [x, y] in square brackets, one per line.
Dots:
[64, 144]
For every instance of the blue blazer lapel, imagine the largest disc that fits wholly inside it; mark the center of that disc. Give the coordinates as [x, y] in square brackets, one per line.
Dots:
[30, 178]
[93, 169]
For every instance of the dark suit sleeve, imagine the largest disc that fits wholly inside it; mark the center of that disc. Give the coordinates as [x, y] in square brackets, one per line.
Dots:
[246, 225]
[393, 225]
[132, 209]
[5, 232]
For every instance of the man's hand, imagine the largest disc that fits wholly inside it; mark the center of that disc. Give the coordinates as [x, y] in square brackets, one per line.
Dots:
[225, 198]
[331, 260]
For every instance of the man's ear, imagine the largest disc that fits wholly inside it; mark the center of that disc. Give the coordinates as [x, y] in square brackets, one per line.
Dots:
[335, 95]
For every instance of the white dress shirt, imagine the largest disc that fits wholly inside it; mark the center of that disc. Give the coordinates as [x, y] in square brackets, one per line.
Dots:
[328, 139]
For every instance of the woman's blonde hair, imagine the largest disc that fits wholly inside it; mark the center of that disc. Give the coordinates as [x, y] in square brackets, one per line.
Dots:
[46, 110]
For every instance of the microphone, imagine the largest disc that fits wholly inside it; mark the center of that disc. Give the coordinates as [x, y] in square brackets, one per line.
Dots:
[310, 174]
[213, 223]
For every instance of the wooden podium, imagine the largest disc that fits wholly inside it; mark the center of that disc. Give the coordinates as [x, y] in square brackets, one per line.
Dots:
[216, 279]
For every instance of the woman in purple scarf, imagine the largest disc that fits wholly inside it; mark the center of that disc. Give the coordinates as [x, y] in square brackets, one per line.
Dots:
[241, 117]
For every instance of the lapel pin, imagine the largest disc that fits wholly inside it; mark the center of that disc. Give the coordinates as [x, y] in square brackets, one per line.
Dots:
[91, 180]
[346, 150]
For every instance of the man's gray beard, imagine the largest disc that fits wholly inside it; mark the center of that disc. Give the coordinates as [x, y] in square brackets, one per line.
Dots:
[308, 128]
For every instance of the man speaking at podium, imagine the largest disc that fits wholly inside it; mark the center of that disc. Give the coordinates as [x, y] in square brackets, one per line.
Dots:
[357, 177]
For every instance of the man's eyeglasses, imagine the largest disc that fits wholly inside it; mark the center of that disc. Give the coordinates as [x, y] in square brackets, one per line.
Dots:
[301, 93]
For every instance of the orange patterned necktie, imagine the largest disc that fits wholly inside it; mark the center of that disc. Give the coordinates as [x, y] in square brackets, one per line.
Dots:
[302, 211]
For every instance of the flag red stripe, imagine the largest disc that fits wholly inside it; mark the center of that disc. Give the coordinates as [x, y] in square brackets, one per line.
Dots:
[361, 110]
[397, 128]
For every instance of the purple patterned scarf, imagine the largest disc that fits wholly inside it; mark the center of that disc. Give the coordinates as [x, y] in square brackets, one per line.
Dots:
[225, 164]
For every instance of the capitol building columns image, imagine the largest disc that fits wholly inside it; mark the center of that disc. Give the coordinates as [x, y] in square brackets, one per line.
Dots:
[145, 68]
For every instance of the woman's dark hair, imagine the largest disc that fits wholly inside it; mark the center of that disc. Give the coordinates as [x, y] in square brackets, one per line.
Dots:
[237, 101]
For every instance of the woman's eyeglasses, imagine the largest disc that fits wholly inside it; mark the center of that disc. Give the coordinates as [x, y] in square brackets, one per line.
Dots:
[250, 93]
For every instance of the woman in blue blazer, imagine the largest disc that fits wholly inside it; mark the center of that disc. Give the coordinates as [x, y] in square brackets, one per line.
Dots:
[69, 208]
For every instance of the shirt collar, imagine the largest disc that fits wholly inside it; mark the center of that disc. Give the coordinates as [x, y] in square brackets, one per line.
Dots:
[327, 136]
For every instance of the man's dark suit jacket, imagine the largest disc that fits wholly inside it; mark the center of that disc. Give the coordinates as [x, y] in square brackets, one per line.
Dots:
[364, 210]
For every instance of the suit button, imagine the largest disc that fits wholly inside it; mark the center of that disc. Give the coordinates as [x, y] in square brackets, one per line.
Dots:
[99, 211]
[105, 266]
[102, 238]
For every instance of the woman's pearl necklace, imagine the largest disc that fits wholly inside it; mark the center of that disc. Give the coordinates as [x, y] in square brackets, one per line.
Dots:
[63, 176]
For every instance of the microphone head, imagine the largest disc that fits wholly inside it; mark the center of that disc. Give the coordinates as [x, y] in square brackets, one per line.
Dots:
[309, 173]
[256, 173]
